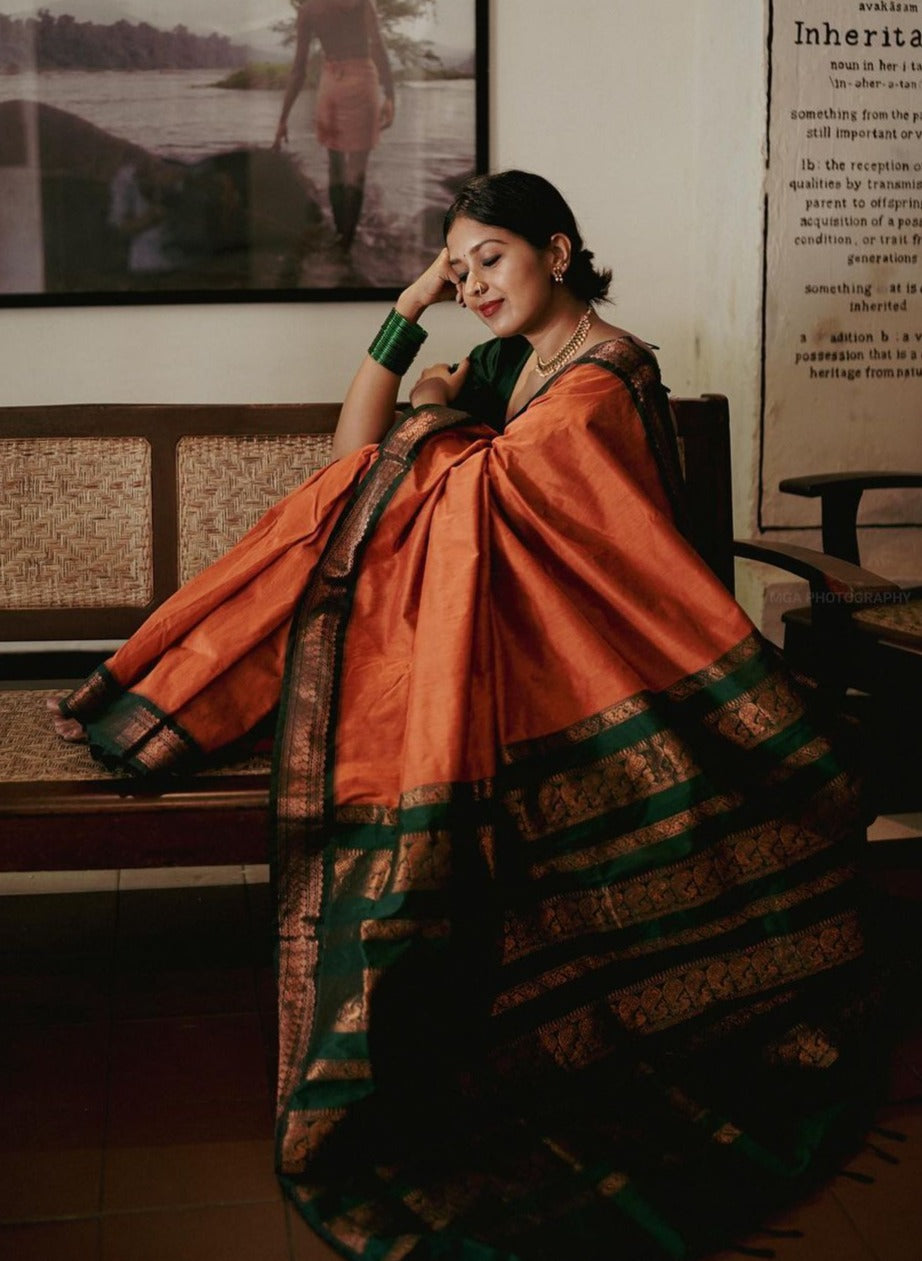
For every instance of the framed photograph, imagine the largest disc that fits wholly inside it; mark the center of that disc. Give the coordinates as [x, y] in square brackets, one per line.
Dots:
[153, 150]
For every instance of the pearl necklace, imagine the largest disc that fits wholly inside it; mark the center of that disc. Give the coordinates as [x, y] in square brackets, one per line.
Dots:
[547, 367]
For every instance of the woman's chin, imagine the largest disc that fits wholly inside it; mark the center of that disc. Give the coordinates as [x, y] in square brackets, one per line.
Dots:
[499, 323]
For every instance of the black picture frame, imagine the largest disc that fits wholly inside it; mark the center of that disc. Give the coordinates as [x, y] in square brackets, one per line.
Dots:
[97, 216]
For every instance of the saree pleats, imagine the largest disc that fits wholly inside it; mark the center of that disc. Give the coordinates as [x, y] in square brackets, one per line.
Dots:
[570, 960]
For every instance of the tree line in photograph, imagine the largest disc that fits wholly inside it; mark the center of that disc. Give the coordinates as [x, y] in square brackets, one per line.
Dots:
[61, 42]
[50, 42]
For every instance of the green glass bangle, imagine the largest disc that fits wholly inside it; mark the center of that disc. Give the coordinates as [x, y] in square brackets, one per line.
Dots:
[396, 343]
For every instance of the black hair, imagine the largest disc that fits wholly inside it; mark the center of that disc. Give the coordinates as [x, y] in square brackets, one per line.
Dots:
[531, 207]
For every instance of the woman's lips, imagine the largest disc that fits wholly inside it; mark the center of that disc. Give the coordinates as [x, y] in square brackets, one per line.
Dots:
[490, 308]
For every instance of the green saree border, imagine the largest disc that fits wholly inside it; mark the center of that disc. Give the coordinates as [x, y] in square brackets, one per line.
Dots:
[302, 770]
[128, 732]
[96, 691]
[136, 735]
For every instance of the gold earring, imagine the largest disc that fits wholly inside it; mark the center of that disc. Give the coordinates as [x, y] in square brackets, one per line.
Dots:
[557, 273]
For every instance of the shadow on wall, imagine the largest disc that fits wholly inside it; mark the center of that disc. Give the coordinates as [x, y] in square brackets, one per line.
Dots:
[118, 218]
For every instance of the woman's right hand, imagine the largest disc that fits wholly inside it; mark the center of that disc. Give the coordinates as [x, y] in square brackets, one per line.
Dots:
[438, 283]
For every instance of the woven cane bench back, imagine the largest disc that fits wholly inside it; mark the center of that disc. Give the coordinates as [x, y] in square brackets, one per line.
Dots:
[106, 510]
[75, 523]
[227, 482]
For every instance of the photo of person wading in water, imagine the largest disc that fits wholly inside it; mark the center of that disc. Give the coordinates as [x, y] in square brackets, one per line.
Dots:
[355, 98]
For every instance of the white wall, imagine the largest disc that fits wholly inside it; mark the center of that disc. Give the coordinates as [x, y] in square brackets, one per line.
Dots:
[649, 117]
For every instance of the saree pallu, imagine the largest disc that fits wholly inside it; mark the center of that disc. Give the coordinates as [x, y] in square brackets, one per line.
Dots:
[570, 958]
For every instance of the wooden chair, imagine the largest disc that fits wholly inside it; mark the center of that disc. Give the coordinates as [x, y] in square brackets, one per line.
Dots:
[860, 636]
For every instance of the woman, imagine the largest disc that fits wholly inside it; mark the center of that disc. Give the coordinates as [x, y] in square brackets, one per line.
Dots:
[569, 958]
[350, 109]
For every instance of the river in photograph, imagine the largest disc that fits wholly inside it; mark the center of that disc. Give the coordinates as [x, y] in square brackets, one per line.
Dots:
[185, 116]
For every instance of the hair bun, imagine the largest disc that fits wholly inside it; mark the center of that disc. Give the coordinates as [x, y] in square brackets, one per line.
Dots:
[585, 279]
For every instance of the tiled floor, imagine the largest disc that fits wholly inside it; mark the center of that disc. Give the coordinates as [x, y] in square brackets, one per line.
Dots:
[137, 1058]
[137, 1062]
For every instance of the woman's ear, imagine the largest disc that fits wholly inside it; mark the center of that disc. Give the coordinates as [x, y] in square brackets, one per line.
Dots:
[561, 250]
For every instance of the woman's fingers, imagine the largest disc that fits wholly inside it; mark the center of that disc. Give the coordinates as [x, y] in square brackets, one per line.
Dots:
[441, 277]
[451, 378]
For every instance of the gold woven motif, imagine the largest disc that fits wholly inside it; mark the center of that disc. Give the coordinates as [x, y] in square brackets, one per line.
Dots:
[227, 482]
[75, 523]
[533, 988]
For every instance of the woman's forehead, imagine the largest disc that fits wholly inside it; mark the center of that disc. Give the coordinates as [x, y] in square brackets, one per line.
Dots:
[467, 236]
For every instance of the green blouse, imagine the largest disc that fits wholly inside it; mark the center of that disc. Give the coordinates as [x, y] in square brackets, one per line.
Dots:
[494, 370]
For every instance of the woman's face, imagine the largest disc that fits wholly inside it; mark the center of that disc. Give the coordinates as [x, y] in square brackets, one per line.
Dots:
[504, 280]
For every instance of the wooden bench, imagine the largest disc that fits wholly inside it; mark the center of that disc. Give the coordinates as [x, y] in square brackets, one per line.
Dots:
[106, 510]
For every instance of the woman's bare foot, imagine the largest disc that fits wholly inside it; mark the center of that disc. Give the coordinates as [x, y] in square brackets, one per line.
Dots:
[67, 728]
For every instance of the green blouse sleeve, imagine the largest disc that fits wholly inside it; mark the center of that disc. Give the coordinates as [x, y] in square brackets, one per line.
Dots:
[494, 370]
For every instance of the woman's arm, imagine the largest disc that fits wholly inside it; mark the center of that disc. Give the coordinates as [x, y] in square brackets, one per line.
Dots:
[368, 408]
[297, 76]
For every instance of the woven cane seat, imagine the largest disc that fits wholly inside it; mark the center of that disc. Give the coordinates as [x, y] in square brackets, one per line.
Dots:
[31, 752]
[899, 622]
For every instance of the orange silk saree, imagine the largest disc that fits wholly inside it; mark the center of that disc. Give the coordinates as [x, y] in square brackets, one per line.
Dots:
[569, 958]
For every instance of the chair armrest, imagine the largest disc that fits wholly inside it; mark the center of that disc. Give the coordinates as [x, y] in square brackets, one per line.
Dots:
[814, 484]
[836, 586]
[840, 494]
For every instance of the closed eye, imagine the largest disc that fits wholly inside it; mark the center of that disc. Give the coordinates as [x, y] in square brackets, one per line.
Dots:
[486, 262]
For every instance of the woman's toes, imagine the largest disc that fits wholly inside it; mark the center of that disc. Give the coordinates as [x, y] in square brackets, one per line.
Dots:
[69, 729]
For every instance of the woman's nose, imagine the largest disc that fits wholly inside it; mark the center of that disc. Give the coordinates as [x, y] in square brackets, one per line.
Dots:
[474, 285]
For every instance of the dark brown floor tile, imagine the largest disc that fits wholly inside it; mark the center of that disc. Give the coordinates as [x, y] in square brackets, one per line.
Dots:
[183, 951]
[53, 1086]
[56, 954]
[169, 927]
[60, 991]
[899, 1134]
[202, 1121]
[30, 1125]
[51, 926]
[182, 990]
[906, 1069]
[190, 1079]
[190, 1174]
[261, 910]
[828, 1234]
[887, 1214]
[57, 1182]
[212, 1057]
[266, 989]
[51, 1241]
[270, 1031]
[236, 1232]
[305, 1245]
[52, 1119]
